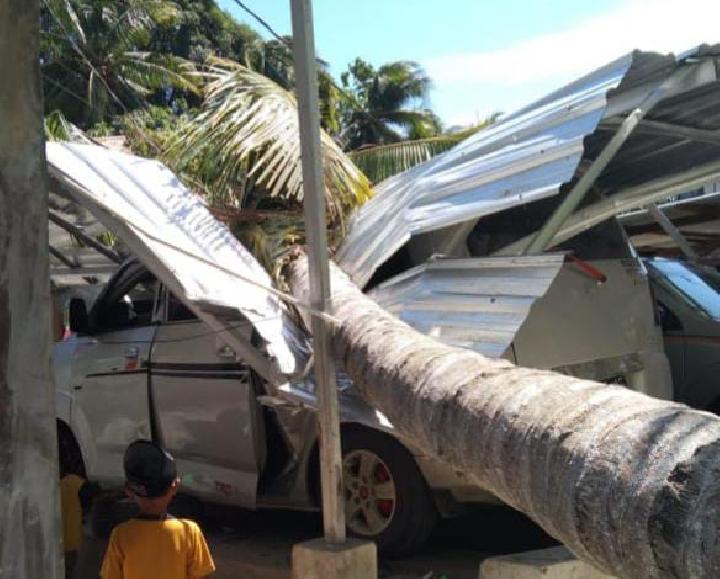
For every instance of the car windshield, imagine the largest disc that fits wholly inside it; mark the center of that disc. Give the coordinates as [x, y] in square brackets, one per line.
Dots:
[699, 285]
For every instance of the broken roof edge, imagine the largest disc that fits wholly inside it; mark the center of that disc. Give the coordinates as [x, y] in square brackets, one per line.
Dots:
[283, 360]
[477, 303]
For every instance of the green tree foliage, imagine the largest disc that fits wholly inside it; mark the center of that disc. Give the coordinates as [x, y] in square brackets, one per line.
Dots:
[386, 105]
[383, 161]
[185, 82]
[201, 30]
[96, 57]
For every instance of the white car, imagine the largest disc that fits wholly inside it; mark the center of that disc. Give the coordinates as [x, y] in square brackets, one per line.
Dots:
[141, 365]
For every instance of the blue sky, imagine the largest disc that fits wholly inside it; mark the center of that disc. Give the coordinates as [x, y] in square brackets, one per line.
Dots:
[486, 56]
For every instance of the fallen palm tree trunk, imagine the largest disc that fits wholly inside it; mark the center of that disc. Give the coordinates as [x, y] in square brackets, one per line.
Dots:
[629, 483]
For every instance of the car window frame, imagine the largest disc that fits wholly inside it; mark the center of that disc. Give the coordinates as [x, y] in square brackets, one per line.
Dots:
[164, 309]
[664, 278]
[118, 287]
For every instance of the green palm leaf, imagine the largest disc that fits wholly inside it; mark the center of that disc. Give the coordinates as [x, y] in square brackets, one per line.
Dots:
[57, 127]
[155, 71]
[383, 161]
[249, 125]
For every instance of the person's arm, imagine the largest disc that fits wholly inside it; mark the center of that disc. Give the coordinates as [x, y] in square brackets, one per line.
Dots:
[201, 562]
[112, 566]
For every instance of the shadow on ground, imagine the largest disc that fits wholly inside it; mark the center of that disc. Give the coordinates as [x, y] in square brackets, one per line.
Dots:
[258, 544]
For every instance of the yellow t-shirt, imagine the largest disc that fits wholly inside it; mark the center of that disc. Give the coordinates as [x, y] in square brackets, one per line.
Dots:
[157, 549]
[71, 511]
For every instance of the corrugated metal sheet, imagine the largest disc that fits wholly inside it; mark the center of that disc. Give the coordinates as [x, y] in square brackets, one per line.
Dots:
[176, 237]
[523, 158]
[86, 265]
[477, 303]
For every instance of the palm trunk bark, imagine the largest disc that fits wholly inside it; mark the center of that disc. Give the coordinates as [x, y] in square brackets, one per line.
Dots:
[29, 521]
[629, 483]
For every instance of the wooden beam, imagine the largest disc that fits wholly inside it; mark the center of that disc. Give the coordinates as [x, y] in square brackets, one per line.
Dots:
[651, 127]
[61, 257]
[85, 238]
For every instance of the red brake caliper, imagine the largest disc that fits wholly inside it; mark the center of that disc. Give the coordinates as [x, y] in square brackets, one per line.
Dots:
[385, 506]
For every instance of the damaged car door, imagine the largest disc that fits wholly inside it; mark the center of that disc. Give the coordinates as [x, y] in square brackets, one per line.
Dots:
[111, 371]
[205, 407]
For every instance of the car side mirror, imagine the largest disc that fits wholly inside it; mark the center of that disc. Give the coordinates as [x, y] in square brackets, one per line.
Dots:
[78, 316]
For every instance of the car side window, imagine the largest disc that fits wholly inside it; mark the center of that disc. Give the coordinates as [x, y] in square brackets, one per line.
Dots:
[130, 307]
[177, 311]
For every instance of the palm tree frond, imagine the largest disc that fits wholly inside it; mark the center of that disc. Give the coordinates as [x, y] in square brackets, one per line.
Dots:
[57, 127]
[154, 71]
[383, 161]
[250, 123]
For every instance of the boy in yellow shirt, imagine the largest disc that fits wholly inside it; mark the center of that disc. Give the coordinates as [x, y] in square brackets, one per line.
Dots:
[154, 544]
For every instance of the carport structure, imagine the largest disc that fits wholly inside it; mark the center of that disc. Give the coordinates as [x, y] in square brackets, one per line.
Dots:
[694, 231]
[640, 130]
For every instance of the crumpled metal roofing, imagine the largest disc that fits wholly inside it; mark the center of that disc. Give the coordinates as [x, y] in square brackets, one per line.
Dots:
[523, 158]
[172, 232]
[474, 303]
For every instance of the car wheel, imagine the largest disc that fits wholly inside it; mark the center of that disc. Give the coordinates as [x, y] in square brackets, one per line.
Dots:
[386, 497]
[71, 460]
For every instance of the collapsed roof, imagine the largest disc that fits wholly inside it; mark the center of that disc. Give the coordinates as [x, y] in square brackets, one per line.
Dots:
[543, 151]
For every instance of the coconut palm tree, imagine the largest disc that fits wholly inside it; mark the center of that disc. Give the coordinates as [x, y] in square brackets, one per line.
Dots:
[94, 58]
[248, 129]
[386, 105]
[628, 482]
[243, 151]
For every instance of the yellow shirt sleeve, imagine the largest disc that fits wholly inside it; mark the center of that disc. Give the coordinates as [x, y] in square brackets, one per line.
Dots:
[71, 509]
[112, 566]
[200, 561]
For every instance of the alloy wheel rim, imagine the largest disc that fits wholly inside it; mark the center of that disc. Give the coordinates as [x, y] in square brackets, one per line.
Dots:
[370, 496]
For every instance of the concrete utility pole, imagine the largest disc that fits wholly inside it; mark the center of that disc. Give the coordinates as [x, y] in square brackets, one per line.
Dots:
[29, 520]
[320, 293]
[335, 558]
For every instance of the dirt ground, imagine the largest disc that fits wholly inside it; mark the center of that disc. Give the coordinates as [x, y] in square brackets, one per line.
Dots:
[254, 545]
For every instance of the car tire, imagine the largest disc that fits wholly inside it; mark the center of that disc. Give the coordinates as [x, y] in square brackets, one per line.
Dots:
[69, 452]
[386, 497]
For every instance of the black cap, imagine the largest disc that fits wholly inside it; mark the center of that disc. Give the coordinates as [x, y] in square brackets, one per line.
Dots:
[149, 469]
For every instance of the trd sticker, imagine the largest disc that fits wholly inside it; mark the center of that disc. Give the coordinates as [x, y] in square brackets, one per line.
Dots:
[223, 488]
[131, 364]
